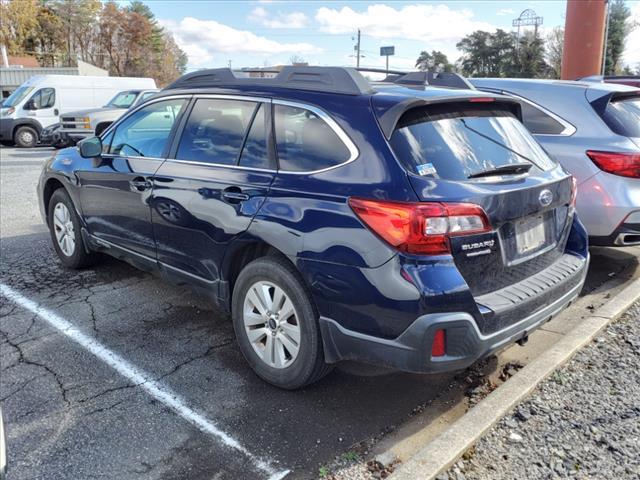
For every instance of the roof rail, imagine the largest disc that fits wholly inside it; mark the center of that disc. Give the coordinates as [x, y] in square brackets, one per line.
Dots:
[421, 78]
[343, 80]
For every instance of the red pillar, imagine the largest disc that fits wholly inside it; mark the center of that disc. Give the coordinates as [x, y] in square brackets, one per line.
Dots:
[583, 38]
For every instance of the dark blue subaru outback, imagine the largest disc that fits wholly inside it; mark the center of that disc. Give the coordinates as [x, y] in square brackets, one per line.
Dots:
[393, 223]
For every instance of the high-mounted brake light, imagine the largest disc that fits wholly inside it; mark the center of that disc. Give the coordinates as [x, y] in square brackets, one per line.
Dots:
[481, 99]
[617, 163]
[420, 228]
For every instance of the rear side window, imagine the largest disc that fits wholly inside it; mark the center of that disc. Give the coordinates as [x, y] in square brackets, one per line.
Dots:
[254, 152]
[146, 132]
[538, 122]
[623, 116]
[215, 131]
[456, 141]
[305, 142]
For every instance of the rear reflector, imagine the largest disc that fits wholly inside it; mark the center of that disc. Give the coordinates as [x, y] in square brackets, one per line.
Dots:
[420, 228]
[617, 163]
[438, 348]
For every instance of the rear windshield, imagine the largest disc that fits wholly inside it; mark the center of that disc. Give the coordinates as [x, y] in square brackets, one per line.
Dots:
[623, 116]
[455, 141]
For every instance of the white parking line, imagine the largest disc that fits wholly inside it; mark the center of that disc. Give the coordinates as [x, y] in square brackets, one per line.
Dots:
[138, 378]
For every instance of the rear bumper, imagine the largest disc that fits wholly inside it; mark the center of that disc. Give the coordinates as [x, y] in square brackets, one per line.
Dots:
[465, 343]
[627, 233]
[604, 203]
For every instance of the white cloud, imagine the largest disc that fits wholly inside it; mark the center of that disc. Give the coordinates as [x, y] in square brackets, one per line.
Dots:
[437, 26]
[505, 11]
[203, 39]
[283, 20]
[631, 54]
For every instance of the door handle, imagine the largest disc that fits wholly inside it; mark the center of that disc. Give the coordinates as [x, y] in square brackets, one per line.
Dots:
[234, 195]
[140, 184]
[56, 112]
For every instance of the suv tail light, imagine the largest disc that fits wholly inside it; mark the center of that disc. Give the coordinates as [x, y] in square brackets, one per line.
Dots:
[421, 228]
[623, 164]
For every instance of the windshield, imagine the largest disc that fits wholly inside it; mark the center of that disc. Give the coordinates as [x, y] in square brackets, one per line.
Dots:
[623, 116]
[17, 96]
[458, 142]
[122, 100]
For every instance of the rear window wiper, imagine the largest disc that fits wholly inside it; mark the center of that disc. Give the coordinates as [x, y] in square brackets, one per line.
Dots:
[510, 169]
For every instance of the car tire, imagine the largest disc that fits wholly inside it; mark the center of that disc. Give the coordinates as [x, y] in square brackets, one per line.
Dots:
[268, 337]
[25, 137]
[66, 232]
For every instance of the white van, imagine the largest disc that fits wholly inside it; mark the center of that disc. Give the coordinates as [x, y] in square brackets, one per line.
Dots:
[38, 102]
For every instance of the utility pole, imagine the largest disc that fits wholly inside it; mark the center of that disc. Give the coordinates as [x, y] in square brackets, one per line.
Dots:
[229, 64]
[358, 51]
[606, 39]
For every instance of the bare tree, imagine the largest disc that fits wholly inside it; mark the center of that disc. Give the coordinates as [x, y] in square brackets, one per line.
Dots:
[555, 42]
[297, 60]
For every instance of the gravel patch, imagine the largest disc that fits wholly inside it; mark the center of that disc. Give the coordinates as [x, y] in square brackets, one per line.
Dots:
[583, 422]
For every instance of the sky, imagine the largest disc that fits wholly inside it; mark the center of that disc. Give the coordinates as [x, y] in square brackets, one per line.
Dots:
[270, 32]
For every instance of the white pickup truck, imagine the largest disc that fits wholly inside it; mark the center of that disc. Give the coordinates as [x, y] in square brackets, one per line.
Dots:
[86, 123]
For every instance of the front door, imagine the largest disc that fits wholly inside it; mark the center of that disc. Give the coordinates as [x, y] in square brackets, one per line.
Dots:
[42, 106]
[116, 187]
[208, 193]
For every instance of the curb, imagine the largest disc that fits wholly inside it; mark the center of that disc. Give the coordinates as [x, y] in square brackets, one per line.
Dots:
[443, 451]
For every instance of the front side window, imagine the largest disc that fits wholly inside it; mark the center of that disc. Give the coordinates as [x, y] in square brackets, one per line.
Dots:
[538, 122]
[43, 98]
[146, 132]
[458, 142]
[305, 142]
[215, 131]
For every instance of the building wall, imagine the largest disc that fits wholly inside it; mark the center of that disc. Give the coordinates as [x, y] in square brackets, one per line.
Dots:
[12, 77]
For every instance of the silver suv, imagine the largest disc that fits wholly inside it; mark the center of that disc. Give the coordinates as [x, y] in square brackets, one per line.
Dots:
[593, 130]
[88, 123]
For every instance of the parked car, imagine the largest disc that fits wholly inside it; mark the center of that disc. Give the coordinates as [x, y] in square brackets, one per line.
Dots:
[593, 130]
[417, 229]
[86, 123]
[630, 80]
[38, 102]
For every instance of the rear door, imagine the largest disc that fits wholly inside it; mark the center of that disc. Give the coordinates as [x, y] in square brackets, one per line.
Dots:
[209, 191]
[482, 154]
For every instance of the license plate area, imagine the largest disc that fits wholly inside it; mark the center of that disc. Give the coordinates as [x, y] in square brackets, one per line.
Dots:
[530, 234]
[524, 238]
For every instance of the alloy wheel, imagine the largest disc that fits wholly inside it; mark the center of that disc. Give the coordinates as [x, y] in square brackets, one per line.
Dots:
[64, 231]
[271, 324]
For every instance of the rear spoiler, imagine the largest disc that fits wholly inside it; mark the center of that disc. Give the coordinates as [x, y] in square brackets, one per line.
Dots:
[390, 118]
[600, 104]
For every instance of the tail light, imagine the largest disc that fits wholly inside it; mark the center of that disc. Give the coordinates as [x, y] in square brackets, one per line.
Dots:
[623, 164]
[420, 228]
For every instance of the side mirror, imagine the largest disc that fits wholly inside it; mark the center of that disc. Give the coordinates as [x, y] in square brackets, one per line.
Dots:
[90, 147]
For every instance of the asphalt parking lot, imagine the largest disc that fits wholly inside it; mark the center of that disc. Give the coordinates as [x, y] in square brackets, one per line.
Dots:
[69, 414]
